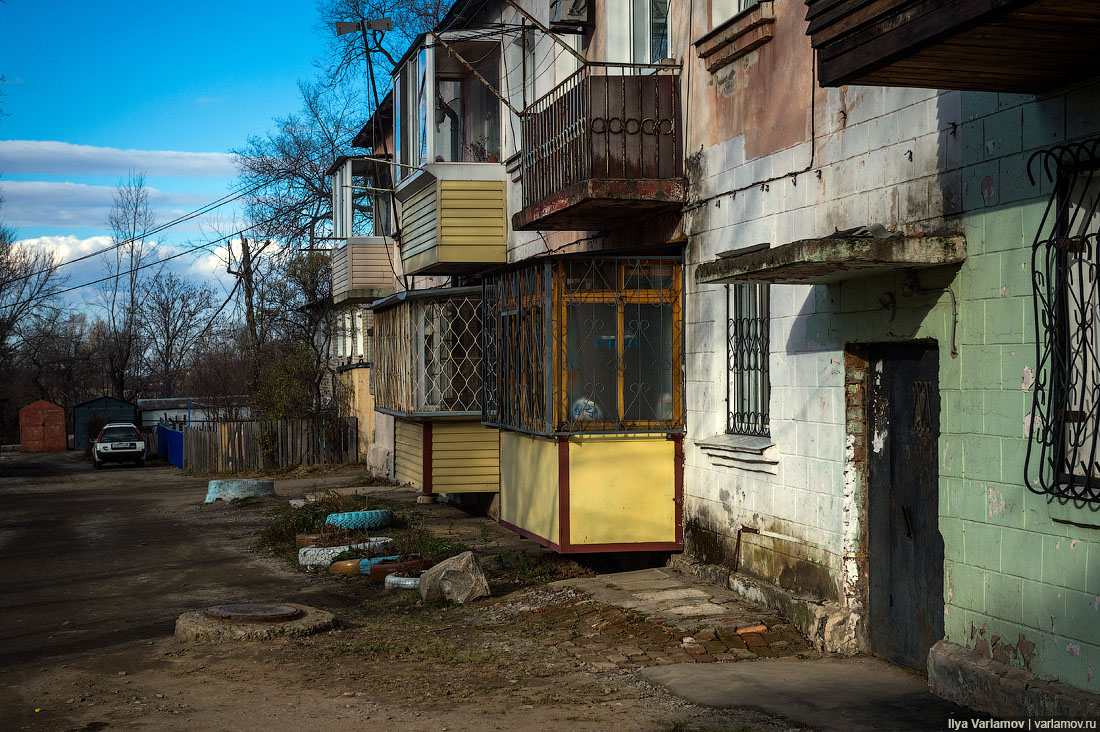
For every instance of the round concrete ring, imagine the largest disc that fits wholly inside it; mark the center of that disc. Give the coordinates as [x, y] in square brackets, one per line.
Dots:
[360, 519]
[380, 571]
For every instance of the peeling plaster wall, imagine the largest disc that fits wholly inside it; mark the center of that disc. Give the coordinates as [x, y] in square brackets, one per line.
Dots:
[749, 128]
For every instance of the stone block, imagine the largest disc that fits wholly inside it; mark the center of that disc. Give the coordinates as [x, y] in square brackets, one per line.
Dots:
[458, 579]
[1063, 562]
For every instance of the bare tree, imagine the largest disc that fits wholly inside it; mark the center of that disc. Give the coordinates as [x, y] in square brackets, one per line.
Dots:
[28, 280]
[287, 167]
[130, 220]
[347, 54]
[176, 314]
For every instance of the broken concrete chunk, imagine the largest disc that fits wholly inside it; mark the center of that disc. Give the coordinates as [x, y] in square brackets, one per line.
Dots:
[458, 579]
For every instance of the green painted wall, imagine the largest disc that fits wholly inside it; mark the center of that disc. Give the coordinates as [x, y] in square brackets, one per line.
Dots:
[1019, 585]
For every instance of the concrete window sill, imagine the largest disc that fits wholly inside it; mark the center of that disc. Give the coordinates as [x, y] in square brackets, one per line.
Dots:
[737, 37]
[1078, 513]
[755, 454]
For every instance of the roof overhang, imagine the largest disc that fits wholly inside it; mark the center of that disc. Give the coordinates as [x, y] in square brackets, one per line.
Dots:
[822, 261]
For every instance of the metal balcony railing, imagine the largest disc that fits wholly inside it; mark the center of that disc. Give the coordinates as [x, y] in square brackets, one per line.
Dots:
[606, 121]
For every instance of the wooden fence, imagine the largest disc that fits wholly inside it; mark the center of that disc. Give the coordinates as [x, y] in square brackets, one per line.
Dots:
[263, 445]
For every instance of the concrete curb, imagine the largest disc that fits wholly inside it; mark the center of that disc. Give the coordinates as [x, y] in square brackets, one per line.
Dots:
[198, 626]
[966, 677]
[828, 626]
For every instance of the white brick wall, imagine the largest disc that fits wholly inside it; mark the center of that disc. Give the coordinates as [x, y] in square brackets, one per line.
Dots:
[866, 176]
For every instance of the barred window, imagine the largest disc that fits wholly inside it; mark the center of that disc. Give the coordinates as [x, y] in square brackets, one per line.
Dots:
[427, 347]
[585, 346]
[1063, 456]
[748, 389]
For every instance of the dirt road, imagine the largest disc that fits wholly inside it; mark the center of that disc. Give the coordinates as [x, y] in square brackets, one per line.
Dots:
[95, 566]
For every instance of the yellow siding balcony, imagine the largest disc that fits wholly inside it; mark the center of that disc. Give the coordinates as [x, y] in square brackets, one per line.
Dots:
[452, 219]
[363, 270]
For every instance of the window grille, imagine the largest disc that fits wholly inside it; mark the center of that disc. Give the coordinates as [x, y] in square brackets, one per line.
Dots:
[427, 349]
[1063, 454]
[748, 388]
[585, 346]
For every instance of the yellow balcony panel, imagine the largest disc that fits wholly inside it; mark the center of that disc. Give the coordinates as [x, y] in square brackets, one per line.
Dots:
[606, 493]
[447, 455]
[453, 219]
[363, 270]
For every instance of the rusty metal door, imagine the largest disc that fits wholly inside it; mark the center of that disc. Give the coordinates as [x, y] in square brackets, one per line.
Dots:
[905, 562]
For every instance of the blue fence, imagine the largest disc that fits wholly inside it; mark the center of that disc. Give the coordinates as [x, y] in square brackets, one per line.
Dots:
[170, 445]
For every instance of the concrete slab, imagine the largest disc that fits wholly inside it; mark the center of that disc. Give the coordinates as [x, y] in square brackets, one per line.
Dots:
[834, 694]
[686, 593]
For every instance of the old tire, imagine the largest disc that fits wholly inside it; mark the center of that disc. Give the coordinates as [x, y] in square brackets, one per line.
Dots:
[394, 582]
[403, 565]
[320, 557]
[302, 540]
[345, 566]
[360, 519]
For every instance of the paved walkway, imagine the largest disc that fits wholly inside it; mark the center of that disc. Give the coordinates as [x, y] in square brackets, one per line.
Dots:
[658, 617]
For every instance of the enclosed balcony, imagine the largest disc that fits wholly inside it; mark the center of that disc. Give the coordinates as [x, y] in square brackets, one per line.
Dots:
[427, 373]
[602, 149]
[1020, 46]
[363, 270]
[363, 260]
[451, 181]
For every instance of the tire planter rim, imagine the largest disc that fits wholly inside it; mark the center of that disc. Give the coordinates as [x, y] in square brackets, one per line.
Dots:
[394, 582]
[408, 563]
[375, 519]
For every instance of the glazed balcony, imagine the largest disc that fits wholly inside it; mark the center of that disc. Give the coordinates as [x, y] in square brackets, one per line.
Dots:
[603, 148]
[1019, 46]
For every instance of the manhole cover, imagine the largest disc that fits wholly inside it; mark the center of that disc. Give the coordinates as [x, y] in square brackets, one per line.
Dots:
[252, 612]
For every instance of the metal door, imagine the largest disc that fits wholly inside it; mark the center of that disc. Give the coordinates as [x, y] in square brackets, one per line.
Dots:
[905, 562]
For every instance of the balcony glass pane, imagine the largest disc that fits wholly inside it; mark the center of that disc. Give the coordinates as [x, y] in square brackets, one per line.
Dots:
[467, 112]
[592, 362]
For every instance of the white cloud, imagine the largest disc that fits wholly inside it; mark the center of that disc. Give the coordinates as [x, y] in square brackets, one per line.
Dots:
[67, 247]
[63, 158]
[44, 203]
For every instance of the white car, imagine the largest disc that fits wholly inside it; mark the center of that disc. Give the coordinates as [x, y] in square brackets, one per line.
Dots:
[118, 442]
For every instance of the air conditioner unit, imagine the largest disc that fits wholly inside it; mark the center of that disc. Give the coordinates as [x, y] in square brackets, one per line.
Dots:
[569, 16]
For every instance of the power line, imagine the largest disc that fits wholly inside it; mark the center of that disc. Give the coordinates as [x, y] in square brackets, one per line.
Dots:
[204, 209]
[154, 263]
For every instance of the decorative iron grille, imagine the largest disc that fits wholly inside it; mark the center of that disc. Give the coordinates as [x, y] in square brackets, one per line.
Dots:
[427, 349]
[748, 387]
[517, 359]
[1062, 454]
[586, 346]
[606, 121]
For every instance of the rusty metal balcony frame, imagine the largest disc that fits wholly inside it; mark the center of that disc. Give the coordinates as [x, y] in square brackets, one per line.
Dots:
[615, 152]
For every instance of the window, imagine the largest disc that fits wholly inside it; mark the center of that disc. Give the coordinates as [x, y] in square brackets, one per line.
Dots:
[427, 349]
[607, 359]
[637, 30]
[1063, 456]
[723, 10]
[445, 113]
[748, 388]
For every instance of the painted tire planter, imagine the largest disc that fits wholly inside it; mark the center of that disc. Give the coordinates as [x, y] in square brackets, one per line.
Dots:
[227, 490]
[344, 566]
[302, 540]
[401, 565]
[320, 557]
[361, 519]
[393, 582]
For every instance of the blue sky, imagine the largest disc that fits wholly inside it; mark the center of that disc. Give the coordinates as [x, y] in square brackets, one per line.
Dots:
[95, 89]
